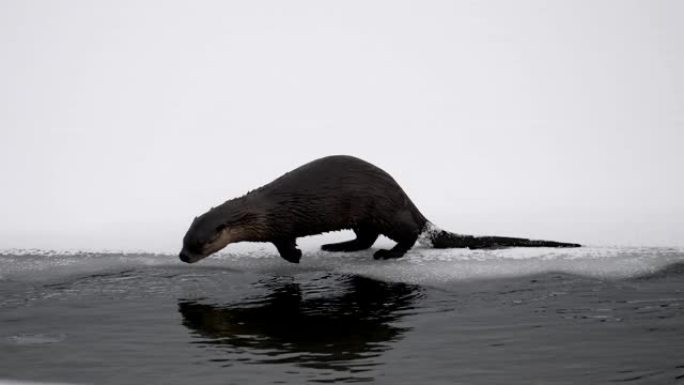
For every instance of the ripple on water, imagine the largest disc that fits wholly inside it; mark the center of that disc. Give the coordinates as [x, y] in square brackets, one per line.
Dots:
[36, 339]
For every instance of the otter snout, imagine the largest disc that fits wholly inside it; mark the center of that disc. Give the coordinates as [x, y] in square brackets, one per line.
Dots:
[188, 257]
[184, 257]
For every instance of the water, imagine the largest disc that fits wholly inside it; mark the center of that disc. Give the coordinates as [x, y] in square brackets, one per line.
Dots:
[518, 316]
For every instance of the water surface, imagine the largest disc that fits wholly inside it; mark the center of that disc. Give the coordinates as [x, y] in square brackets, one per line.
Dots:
[589, 315]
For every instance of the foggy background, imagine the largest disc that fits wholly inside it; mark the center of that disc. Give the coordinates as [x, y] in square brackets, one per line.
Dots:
[122, 120]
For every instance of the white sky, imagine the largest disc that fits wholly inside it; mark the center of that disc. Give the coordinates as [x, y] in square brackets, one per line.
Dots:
[122, 120]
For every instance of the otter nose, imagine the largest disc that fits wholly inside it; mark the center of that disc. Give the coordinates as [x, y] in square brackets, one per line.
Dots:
[184, 257]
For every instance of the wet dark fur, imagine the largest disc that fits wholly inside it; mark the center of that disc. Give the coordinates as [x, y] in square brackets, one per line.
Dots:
[328, 194]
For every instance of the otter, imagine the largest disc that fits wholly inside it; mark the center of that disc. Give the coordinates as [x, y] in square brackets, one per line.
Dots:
[330, 194]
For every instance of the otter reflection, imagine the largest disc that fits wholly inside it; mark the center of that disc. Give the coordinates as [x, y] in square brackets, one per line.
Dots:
[320, 324]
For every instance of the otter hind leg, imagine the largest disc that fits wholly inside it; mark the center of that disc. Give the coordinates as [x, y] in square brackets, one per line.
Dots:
[288, 250]
[405, 232]
[364, 240]
[398, 250]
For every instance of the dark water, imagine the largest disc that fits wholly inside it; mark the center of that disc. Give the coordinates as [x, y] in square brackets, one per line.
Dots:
[115, 319]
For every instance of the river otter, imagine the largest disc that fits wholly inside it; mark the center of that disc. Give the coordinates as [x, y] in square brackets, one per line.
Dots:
[329, 194]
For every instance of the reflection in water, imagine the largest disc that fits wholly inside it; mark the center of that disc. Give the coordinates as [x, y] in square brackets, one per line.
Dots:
[332, 323]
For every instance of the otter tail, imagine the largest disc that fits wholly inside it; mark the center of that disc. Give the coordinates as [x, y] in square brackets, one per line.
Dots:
[435, 237]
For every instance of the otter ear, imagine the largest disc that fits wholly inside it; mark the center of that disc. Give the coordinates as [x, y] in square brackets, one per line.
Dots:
[245, 217]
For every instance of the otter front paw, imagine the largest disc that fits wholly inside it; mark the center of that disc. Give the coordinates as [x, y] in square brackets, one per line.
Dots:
[292, 256]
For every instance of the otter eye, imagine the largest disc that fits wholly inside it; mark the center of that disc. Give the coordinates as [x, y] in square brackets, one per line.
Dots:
[220, 228]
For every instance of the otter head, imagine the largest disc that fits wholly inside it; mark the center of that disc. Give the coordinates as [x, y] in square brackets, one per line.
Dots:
[212, 231]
